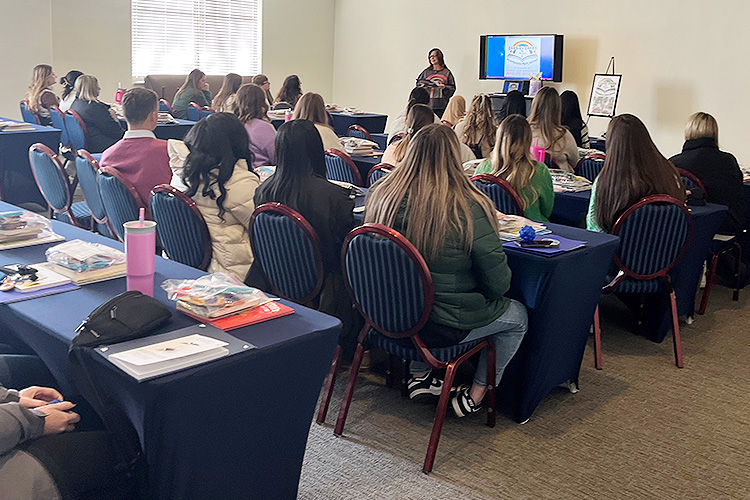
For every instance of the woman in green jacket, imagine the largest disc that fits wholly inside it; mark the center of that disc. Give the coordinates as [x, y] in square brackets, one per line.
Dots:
[454, 226]
[511, 160]
[195, 89]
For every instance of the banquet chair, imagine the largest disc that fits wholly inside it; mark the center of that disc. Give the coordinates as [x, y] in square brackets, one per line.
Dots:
[87, 168]
[654, 235]
[282, 105]
[27, 114]
[590, 165]
[549, 161]
[378, 171]
[165, 107]
[194, 112]
[76, 129]
[499, 191]
[288, 250]
[396, 138]
[393, 290]
[339, 167]
[359, 131]
[121, 200]
[58, 121]
[54, 184]
[690, 180]
[180, 226]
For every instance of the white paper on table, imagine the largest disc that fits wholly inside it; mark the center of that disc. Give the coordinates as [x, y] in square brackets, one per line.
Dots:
[169, 350]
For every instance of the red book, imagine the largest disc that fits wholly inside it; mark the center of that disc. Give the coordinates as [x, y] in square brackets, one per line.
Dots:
[269, 310]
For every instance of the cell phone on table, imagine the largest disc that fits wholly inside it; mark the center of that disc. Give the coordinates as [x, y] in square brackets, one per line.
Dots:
[543, 243]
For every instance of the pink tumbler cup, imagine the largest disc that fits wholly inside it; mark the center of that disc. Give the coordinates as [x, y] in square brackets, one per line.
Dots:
[288, 115]
[538, 153]
[118, 95]
[140, 255]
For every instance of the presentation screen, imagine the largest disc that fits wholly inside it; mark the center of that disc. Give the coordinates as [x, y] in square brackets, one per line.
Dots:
[515, 57]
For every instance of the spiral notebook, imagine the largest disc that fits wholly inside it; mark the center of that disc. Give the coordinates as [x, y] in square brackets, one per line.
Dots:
[566, 245]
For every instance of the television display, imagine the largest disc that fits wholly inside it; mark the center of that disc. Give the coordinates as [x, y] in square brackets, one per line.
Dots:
[516, 57]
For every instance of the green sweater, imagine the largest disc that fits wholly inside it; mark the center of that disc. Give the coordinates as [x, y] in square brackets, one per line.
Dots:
[470, 286]
[591, 223]
[182, 101]
[541, 181]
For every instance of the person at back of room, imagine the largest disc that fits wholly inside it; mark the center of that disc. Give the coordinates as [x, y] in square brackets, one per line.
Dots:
[140, 157]
[289, 94]
[438, 80]
[195, 89]
[455, 111]
[397, 125]
[311, 107]
[251, 107]
[224, 99]
[634, 168]
[263, 82]
[300, 183]
[102, 126]
[547, 130]
[479, 128]
[572, 120]
[433, 204]
[511, 161]
[40, 96]
[514, 104]
[213, 165]
[718, 170]
[68, 95]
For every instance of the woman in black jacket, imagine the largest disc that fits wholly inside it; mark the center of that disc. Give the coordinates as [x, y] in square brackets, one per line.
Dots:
[719, 171]
[102, 127]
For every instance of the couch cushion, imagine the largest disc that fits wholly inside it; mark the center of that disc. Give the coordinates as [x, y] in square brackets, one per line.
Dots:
[166, 85]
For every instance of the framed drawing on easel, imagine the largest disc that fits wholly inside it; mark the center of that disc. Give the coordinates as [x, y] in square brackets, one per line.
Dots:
[604, 94]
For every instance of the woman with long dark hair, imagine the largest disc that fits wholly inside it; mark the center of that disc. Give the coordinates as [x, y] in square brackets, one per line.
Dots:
[213, 164]
[514, 104]
[224, 99]
[547, 130]
[438, 79]
[290, 92]
[397, 125]
[420, 116]
[195, 89]
[572, 120]
[68, 95]
[634, 168]
[251, 107]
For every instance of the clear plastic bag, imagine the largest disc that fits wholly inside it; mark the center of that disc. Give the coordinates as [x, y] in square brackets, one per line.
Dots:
[81, 256]
[213, 295]
[21, 225]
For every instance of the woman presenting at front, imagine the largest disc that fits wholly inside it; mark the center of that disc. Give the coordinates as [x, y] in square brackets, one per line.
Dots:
[438, 80]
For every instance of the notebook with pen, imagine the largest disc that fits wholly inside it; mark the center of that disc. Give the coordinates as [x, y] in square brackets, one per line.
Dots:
[564, 245]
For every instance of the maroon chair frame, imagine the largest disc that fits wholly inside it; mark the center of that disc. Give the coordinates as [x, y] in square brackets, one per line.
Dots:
[168, 105]
[130, 187]
[396, 138]
[503, 184]
[380, 166]
[625, 272]
[446, 122]
[362, 129]
[66, 180]
[349, 162]
[298, 219]
[80, 121]
[82, 153]
[187, 200]
[451, 366]
[693, 178]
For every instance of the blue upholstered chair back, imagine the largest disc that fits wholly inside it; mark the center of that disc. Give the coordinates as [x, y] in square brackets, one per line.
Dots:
[386, 282]
[193, 114]
[589, 168]
[652, 237]
[500, 195]
[28, 115]
[87, 179]
[119, 203]
[337, 169]
[165, 106]
[76, 133]
[378, 174]
[58, 121]
[356, 133]
[289, 256]
[181, 229]
[50, 177]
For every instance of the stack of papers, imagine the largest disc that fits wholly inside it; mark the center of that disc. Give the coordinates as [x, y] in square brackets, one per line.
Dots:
[84, 262]
[12, 126]
[565, 182]
[165, 117]
[510, 226]
[21, 228]
[357, 146]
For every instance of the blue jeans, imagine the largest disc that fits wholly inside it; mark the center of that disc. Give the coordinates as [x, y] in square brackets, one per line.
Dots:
[508, 331]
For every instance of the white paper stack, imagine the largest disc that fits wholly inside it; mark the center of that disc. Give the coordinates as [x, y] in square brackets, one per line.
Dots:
[563, 182]
[359, 147]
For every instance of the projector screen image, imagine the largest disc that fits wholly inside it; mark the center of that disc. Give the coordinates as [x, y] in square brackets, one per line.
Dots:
[515, 57]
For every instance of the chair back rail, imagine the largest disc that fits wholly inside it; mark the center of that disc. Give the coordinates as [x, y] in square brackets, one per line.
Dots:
[378, 172]
[359, 131]
[76, 129]
[58, 121]
[499, 191]
[691, 180]
[121, 200]
[87, 168]
[339, 167]
[589, 166]
[27, 114]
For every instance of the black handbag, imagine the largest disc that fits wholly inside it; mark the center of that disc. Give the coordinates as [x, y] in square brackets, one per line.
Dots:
[127, 316]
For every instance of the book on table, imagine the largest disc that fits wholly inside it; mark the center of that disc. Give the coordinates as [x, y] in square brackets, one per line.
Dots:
[564, 245]
[21, 228]
[249, 316]
[510, 226]
[43, 282]
[85, 262]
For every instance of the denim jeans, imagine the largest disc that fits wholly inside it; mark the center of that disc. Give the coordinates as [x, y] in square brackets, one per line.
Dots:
[508, 331]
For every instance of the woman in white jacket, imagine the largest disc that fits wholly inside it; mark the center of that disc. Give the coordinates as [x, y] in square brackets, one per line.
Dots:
[212, 166]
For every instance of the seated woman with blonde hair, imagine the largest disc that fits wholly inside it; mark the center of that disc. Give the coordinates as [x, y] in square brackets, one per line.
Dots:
[547, 130]
[511, 161]
[311, 107]
[455, 111]
[479, 127]
[40, 96]
[223, 101]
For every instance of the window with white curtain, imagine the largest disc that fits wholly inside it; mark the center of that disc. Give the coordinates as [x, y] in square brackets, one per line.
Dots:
[172, 37]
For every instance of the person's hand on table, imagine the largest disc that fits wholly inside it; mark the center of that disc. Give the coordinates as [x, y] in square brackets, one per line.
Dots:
[58, 417]
[35, 396]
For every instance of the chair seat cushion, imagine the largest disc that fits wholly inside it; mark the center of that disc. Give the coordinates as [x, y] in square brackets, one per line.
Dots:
[404, 348]
[80, 211]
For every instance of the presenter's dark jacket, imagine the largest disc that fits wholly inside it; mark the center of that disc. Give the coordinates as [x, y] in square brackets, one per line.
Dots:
[721, 176]
[102, 129]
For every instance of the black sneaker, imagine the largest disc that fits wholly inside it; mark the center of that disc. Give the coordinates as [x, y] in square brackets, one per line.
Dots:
[425, 388]
[463, 404]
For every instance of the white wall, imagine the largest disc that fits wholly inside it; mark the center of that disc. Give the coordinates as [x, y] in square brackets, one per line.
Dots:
[676, 57]
[93, 36]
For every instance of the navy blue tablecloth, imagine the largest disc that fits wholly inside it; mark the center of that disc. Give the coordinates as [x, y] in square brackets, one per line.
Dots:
[365, 163]
[16, 180]
[560, 294]
[570, 209]
[169, 130]
[372, 122]
[381, 139]
[232, 428]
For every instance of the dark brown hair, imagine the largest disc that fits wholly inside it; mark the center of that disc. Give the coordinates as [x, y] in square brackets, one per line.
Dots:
[311, 107]
[192, 80]
[229, 87]
[440, 58]
[634, 168]
[250, 102]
